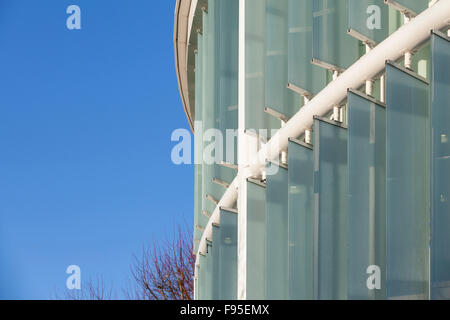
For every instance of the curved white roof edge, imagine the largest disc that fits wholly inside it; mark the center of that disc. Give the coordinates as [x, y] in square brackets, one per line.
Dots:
[184, 14]
[408, 37]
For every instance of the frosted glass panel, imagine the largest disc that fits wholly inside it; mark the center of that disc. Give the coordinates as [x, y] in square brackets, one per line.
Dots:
[407, 185]
[209, 280]
[196, 288]
[228, 255]
[366, 195]
[202, 277]
[332, 46]
[211, 112]
[330, 184]
[227, 16]
[278, 96]
[255, 66]
[440, 133]
[256, 241]
[277, 232]
[414, 6]
[368, 20]
[198, 145]
[301, 221]
[216, 263]
[301, 72]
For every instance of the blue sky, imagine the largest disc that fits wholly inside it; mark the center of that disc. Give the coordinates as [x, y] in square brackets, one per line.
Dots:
[85, 123]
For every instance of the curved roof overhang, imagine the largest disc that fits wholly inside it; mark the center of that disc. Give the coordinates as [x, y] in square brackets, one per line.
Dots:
[188, 21]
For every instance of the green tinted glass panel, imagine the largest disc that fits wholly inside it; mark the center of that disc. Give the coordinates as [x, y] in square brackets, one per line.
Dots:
[226, 51]
[366, 195]
[414, 6]
[301, 72]
[278, 96]
[228, 255]
[227, 15]
[255, 67]
[202, 278]
[440, 131]
[277, 232]
[332, 46]
[207, 103]
[301, 221]
[421, 62]
[330, 184]
[368, 20]
[216, 262]
[408, 183]
[256, 241]
[196, 288]
[211, 109]
[198, 145]
[209, 280]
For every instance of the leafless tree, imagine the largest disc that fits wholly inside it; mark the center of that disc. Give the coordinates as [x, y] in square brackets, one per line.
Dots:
[165, 271]
[93, 289]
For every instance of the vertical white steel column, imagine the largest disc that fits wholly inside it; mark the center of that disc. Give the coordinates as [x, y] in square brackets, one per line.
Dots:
[383, 88]
[408, 54]
[336, 109]
[369, 82]
[242, 161]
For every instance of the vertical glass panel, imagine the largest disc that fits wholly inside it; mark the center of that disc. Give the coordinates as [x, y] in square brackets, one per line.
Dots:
[196, 288]
[208, 111]
[301, 221]
[209, 280]
[333, 48]
[421, 62]
[224, 21]
[277, 232]
[255, 67]
[368, 20]
[278, 96]
[211, 111]
[228, 255]
[256, 241]
[202, 278]
[395, 20]
[413, 6]
[407, 184]
[301, 72]
[330, 184]
[366, 196]
[440, 157]
[227, 57]
[216, 263]
[227, 17]
[198, 146]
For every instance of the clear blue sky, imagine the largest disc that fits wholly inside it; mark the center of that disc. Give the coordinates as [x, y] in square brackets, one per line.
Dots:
[85, 123]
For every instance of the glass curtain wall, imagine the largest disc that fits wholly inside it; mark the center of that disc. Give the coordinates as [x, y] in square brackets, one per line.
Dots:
[408, 192]
[366, 197]
[330, 209]
[440, 162]
[300, 220]
[256, 241]
[277, 232]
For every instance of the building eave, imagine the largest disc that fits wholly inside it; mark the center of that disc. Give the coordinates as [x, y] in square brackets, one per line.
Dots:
[182, 27]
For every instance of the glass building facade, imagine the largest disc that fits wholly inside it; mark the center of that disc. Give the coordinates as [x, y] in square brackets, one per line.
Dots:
[355, 207]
